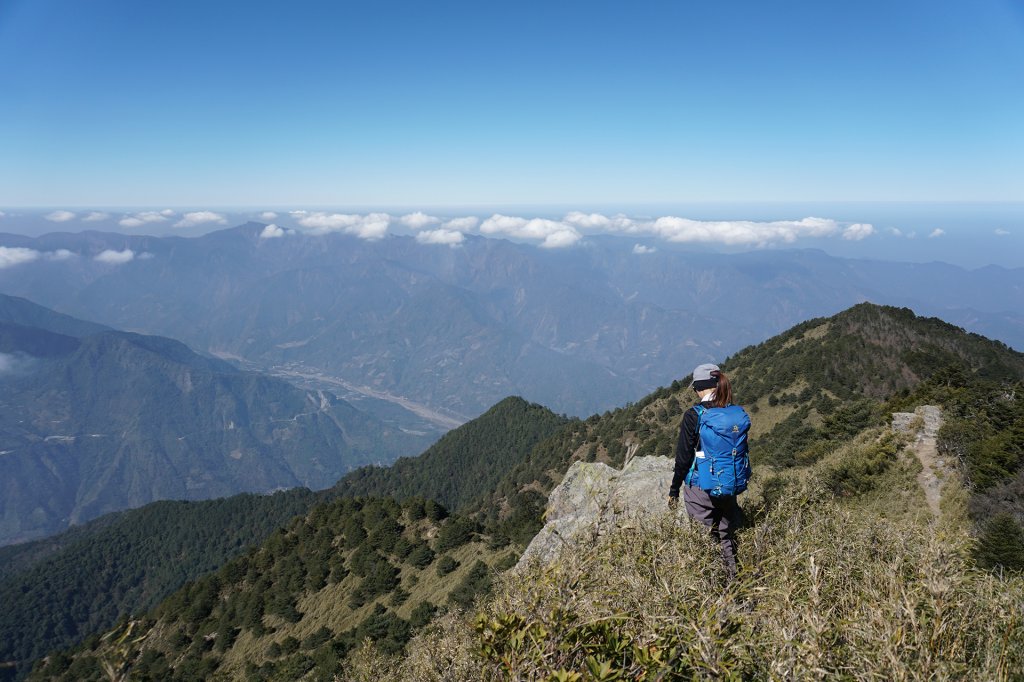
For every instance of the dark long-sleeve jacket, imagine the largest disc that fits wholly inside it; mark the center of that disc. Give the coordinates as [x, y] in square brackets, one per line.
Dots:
[686, 446]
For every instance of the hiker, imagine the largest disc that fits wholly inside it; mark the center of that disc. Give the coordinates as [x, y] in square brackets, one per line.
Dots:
[715, 473]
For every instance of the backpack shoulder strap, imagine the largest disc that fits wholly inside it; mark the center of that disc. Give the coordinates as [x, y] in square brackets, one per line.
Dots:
[700, 410]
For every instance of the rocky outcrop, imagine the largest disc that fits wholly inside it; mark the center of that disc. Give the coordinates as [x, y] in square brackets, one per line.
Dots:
[928, 427]
[924, 423]
[594, 497]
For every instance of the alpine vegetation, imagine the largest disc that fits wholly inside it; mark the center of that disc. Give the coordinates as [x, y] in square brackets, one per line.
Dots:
[826, 593]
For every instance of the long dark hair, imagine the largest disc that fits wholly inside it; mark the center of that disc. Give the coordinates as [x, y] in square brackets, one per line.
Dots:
[723, 391]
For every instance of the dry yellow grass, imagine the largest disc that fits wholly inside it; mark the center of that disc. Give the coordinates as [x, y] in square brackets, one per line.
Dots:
[825, 592]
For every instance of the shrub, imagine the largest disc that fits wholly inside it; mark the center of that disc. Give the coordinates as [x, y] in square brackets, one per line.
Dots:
[422, 614]
[476, 581]
[318, 637]
[457, 532]
[1001, 545]
[857, 473]
[446, 565]
[421, 556]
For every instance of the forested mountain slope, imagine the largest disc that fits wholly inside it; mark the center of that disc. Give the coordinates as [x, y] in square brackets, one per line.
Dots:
[61, 589]
[467, 463]
[348, 570]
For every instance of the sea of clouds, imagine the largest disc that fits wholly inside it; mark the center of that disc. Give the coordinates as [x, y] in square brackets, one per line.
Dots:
[572, 228]
[566, 231]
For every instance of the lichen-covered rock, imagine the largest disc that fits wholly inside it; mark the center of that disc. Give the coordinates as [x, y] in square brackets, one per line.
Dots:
[594, 497]
[930, 417]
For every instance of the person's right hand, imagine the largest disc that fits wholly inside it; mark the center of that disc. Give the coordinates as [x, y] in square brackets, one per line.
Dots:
[673, 502]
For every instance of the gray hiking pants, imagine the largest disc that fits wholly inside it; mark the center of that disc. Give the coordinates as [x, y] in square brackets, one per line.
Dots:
[721, 515]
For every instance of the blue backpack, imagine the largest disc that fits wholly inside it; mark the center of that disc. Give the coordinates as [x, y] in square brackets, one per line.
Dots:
[724, 468]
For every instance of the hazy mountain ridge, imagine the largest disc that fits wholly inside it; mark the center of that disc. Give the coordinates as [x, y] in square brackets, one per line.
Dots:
[458, 329]
[111, 420]
[839, 433]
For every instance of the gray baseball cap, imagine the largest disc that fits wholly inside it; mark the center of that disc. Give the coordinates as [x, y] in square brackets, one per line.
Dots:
[703, 373]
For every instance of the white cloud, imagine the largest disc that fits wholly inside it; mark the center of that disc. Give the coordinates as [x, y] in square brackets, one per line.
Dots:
[640, 249]
[60, 216]
[466, 224]
[2, 214]
[596, 221]
[572, 228]
[440, 236]
[11, 256]
[112, 257]
[561, 239]
[60, 254]
[937, 232]
[145, 217]
[146, 255]
[858, 231]
[201, 218]
[552, 233]
[95, 216]
[268, 215]
[371, 226]
[1000, 232]
[895, 231]
[728, 232]
[742, 232]
[418, 220]
[15, 363]
[273, 232]
[16, 255]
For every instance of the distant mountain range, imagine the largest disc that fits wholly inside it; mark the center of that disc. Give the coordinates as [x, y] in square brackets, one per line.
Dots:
[450, 331]
[94, 420]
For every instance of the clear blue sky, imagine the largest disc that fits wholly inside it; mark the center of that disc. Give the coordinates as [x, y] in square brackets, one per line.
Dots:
[213, 103]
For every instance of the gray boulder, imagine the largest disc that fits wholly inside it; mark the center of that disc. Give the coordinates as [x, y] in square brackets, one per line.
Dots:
[594, 497]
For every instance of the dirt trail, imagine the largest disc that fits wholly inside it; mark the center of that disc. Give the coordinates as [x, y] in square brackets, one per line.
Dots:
[925, 448]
